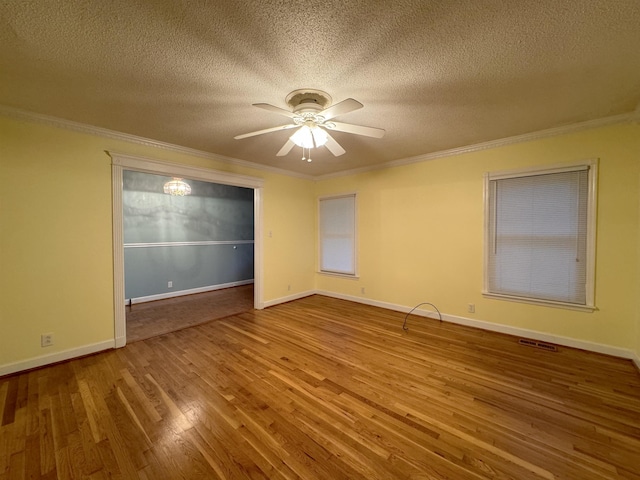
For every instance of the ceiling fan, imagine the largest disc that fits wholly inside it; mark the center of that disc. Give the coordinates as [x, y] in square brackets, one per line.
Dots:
[312, 114]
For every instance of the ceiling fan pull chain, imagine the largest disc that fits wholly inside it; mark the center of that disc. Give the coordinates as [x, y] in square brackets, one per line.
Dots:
[308, 159]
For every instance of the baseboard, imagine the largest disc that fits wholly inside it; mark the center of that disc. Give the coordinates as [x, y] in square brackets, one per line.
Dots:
[373, 303]
[56, 357]
[543, 337]
[288, 298]
[191, 291]
[495, 327]
[43, 360]
[636, 360]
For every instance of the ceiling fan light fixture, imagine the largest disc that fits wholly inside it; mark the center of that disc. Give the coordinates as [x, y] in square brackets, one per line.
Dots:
[309, 137]
[302, 137]
[320, 137]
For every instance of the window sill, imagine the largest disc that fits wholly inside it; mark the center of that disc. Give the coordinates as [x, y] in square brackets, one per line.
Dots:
[341, 275]
[545, 303]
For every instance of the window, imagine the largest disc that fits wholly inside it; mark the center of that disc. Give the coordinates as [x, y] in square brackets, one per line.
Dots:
[338, 234]
[539, 235]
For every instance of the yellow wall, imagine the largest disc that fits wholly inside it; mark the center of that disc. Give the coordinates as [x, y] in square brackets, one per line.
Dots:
[289, 238]
[420, 233]
[637, 295]
[56, 235]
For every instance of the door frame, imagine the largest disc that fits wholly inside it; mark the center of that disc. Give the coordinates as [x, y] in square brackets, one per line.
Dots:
[121, 162]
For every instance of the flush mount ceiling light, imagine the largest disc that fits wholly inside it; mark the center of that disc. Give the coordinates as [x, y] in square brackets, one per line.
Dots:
[311, 111]
[177, 187]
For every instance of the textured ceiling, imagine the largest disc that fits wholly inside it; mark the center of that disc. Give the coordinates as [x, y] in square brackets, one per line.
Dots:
[434, 74]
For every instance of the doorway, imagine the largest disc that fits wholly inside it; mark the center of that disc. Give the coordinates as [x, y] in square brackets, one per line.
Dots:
[120, 163]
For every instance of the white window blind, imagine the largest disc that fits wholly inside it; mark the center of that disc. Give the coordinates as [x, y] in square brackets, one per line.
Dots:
[537, 236]
[337, 234]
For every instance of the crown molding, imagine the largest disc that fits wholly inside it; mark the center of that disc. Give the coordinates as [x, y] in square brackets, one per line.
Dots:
[633, 117]
[104, 132]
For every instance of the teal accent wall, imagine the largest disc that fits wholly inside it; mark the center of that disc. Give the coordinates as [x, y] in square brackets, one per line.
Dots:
[212, 213]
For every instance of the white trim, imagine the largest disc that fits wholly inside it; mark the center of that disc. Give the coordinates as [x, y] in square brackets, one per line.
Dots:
[494, 327]
[339, 195]
[339, 275]
[130, 162]
[592, 218]
[501, 142]
[536, 301]
[106, 133]
[119, 321]
[190, 291]
[289, 298]
[188, 244]
[577, 166]
[486, 185]
[258, 254]
[144, 164]
[56, 357]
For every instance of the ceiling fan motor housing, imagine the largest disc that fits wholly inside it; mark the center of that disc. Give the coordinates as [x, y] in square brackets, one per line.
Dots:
[308, 100]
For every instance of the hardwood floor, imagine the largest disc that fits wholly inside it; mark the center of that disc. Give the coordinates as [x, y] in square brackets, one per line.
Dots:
[150, 319]
[322, 388]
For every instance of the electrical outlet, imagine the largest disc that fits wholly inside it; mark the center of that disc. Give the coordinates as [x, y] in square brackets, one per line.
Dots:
[362, 290]
[169, 284]
[471, 308]
[288, 288]
[46, 339]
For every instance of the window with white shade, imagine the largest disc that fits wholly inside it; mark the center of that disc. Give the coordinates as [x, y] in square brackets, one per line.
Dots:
[337, 227]
[539, 238]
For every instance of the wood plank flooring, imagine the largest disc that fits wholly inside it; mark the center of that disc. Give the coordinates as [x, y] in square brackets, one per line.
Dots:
[322, 388]
[150, 319]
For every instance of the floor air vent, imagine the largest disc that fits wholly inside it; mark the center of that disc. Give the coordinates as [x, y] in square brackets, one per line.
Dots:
[534, 343]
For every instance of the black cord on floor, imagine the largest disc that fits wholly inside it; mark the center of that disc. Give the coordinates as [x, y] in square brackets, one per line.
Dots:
[404, 325]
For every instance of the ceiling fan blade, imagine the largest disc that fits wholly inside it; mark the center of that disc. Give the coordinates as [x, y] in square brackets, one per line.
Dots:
[274, 109]
[285, 149]
[333, 146]
[357, 129]
[345, 106]
[266, 130]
